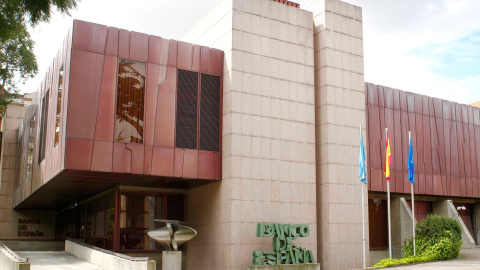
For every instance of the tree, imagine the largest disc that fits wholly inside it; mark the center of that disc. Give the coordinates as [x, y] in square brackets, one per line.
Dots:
[17, 60]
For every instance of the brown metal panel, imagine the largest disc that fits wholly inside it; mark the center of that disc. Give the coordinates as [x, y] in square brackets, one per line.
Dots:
[406, 184]
[127, 160]
[218, 166]
[429, 184]
[205, 60]
[410, 102]
[84, 92]
[190, 163]
[455, 186]
[454, 154]
[418, 103]
[398, 134]
[419, 143]
[447, 125]
[172, 53]
[439, 127]
[89, 37]
[404, 139]
[391, 133]
[196, 58]
[399, 182]
[138, 154]
[467, 151]
[112, 42]
[403, 100]
[151, 98]
[374, 137]
[124, 44]
[185, 55]
[464, 109]
[166, 106]
[437, 107]
[475, 192]
[381, 100]
[477, 147]
[162, 161]
[217, 62]
[427, 145]
[154, 49]
[372, 94]
[178, 165]
[393, 182]
[396, 99]
[119, 157]
[435, 145]
[458, 112]
[461, 157]
[437, 185]
[446, 185]
[138, 46]
[102, 157]
[470, 114]
[463, 186]
[147, 163]
[78, 154]
[106, 105]
[206, 165]
[425, 105]
[377, 180]
[469, 184]
[476, 116]
[421, 184]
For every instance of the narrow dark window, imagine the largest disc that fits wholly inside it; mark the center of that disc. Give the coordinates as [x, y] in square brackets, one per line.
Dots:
[130, 102]
[187, 98]
[59, 105]
[210, 113]
[31, 137]
[43, 128]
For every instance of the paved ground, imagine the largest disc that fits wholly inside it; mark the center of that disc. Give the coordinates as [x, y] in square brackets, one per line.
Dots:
[55, 260]
[469, 259]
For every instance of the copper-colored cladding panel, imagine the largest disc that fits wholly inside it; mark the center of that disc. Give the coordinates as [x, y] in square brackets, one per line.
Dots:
[217, 62]
[445, 151]
[78, 154]
[138, 46]
[106, 104]
[151, 95]
[218, 166]
[127, 160]
[162, 161]
[124, 44]
[112, 42]
[178, 164]
[196, 58]
[205, 60]
[166, 105]
[89, 37]
[147, 166]
[185, 55]
[102, 156]
[119, 157]
[138, 153]
[154, 49]
[85, 83]
[190, 163]
[172, 53]
[206, 165]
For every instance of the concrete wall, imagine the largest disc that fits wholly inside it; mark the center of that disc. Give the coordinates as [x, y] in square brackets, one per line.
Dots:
[17, 224]
[11, 261]
[35, 245]
[446, 208]
[402, 228]
[268, 132]
[339, 111]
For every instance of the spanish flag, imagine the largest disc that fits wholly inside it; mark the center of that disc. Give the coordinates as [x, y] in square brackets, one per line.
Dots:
[388, 159]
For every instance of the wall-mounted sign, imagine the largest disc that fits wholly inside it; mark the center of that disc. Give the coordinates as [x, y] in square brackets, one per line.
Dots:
[24, 230]
[284, 251]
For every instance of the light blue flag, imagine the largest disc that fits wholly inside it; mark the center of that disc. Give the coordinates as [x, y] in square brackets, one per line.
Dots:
[411, 167]
[361, 162]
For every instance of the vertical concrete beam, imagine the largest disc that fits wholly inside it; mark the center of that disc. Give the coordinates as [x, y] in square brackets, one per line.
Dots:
[446, 208]
[401, 224]
[339, 111]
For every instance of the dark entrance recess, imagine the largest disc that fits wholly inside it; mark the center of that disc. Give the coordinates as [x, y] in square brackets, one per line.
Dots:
[466, 215]
[120, 220]
[377, 220]
[422, 209]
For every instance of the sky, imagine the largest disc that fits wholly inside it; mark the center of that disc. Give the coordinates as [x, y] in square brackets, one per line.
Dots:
[431, 47]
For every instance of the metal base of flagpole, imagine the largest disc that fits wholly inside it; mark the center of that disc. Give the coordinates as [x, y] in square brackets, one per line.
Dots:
[363, 229]
[413, 221]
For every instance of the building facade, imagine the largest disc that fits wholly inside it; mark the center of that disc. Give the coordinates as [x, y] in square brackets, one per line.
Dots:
[258, 123]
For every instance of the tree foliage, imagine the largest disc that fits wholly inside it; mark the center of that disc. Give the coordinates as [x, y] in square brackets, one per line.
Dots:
[17, 60]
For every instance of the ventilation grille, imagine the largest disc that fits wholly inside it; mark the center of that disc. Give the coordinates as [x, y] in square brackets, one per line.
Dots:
[210, 113]
[187, 99]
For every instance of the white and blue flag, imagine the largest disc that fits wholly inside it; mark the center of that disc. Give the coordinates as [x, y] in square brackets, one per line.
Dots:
[361, 162]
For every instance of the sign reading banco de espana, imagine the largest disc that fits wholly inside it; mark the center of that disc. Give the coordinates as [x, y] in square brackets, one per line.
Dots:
[284, 251]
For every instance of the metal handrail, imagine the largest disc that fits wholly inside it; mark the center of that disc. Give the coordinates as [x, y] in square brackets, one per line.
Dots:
[123, 256]
[15, 255]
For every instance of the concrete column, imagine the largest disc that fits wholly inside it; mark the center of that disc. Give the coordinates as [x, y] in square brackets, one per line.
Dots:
[401, 224]
[339, 111]
[477, 222]
[446, 208]
[172, 260]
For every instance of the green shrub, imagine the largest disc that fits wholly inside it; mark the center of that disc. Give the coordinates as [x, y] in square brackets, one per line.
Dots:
[438, 238]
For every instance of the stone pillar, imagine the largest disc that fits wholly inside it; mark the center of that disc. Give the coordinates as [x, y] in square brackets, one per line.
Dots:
[268, 147]
[339, 111]
[171, 260]
[446, 208]
[401, 224]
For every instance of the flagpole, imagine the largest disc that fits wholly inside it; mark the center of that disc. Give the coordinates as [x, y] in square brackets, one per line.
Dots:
[388, 205]
[413, 204]
[363, 218]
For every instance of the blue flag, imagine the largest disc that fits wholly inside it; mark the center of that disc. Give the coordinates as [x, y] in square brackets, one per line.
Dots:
[411, 168]
[361, 162]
